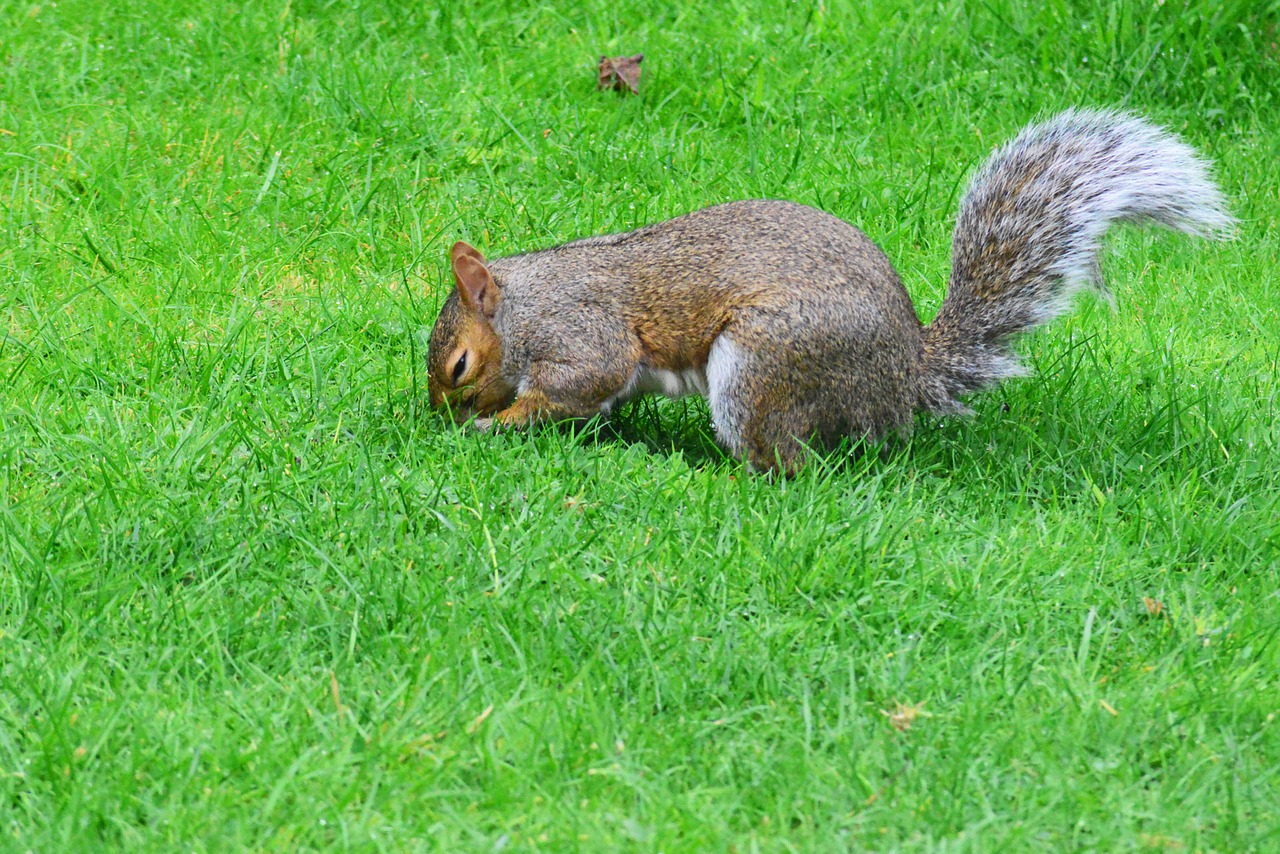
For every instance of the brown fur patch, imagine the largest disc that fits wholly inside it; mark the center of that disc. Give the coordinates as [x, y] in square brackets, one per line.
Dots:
[482, 390]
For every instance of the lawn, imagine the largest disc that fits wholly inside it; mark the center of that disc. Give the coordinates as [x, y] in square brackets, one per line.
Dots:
[255, 594]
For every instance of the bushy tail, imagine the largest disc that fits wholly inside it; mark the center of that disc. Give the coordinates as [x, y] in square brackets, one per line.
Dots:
[1029, 229]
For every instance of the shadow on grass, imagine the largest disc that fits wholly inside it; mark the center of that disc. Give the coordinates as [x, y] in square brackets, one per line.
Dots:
[1035, 438]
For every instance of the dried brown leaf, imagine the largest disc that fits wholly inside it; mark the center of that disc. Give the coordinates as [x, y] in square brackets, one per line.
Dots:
[620, 73]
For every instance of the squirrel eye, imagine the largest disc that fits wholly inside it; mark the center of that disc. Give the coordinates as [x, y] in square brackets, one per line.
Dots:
[459, 367]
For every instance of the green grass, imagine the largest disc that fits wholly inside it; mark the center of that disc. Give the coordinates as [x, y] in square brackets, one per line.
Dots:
[254, 594]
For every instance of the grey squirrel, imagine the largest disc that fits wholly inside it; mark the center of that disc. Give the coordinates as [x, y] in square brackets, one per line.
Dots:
[792, 323]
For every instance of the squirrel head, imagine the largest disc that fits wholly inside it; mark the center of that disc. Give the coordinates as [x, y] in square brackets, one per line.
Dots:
[464, 358]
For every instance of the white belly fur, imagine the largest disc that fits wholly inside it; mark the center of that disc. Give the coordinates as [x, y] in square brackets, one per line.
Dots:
[712, 381]
[648, 380]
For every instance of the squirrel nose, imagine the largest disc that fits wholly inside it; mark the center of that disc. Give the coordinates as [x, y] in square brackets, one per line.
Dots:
[461, 411]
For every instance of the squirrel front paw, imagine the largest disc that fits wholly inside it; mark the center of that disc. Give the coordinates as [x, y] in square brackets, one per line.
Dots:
[484, 425]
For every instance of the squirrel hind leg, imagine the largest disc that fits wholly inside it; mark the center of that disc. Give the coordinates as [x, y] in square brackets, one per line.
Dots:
[771, 410]
[750, 418]
[726, 393]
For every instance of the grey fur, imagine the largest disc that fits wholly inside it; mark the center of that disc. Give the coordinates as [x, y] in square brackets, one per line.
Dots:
[1027, 237]
[818, 338]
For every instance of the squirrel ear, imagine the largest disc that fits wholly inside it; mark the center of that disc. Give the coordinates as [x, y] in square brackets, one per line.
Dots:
[476, 287]
[463, 248]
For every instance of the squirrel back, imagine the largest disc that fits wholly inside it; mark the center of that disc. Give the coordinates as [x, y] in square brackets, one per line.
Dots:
[793, 323]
